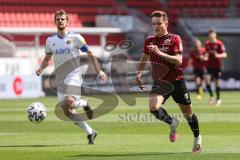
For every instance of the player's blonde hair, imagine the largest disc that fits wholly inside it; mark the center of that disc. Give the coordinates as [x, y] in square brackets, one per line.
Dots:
[60, 12]
[160, 14]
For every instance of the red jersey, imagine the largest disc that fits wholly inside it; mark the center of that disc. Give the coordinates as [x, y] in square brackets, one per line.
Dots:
[195, 55]
[212, 47]
[162, 69]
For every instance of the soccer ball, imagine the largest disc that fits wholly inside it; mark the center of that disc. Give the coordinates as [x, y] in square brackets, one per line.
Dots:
[36, 112]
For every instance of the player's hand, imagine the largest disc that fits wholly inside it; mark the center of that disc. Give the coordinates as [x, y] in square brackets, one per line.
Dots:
[206, 57]
[154, 49]
[102, 76]
[38, 71]
[140, 83]
[215, 54]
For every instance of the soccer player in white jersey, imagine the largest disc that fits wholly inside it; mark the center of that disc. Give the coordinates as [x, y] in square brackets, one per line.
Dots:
[64, 46]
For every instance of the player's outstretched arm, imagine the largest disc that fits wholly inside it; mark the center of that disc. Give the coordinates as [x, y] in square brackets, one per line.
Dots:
[102, 76]
[142, 64]
[44, 64]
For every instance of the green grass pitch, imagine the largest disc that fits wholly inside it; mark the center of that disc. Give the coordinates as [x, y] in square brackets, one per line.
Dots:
[125, 133]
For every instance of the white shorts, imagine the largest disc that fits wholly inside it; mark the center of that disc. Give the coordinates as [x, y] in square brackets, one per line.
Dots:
[61, 96]
[71, 85]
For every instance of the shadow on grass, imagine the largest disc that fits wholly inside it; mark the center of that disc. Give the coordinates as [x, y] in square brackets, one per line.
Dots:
[130, 154]
[37, 145]
[157, 156]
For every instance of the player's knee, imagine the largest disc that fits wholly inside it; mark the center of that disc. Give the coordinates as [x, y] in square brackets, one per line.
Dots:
[207, 81]
[154, 103]
[67, 106]
[217, 83]
[67, 112]
[187, 115]
[153, 107]
[68, 102]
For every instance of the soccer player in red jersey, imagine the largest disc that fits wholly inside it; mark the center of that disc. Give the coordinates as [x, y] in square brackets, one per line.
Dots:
[165, 49]
[198, 60]
[216, 52]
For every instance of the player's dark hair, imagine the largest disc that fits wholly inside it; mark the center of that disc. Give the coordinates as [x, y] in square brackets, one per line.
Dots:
[211, 31]
[160, 14]
[60, 13]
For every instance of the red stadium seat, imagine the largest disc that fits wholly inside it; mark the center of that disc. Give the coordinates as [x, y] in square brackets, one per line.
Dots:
[86, 9]
[34, 19]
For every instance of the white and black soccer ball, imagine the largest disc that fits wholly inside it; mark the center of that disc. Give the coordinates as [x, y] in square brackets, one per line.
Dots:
[36, 112]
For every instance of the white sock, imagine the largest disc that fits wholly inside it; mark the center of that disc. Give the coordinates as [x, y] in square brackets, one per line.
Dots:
[82, 124]
[80, 103]
[85, 127]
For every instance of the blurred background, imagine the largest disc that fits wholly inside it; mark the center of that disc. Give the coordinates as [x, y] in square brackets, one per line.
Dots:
[108, 26]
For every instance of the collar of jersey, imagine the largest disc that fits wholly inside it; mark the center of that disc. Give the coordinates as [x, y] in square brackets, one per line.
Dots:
[162, 36]
[63, 36]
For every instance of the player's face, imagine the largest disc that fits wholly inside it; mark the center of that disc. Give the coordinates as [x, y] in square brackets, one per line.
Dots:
[212, 36]
[159, 26]
[198, 44]
[61, 22]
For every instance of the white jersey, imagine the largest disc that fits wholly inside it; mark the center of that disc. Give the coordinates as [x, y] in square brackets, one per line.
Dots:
[66, 48]
[66, 52]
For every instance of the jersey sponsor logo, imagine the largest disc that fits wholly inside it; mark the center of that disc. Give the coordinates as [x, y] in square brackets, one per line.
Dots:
[164, 48]
[69, 41]
[167, 42]
[62, 51]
